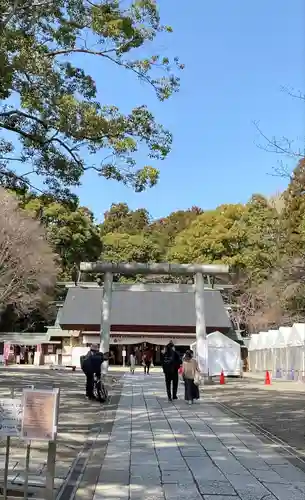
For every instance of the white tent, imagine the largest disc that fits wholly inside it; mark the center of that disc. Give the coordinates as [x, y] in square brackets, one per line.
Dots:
[261, 347]
[271, 342]
[253, 342]
[253, 352]
[223, 354]
[281, 351]
[296, 350]
[284, 332]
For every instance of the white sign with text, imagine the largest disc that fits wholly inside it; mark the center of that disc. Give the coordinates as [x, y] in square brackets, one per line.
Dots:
[10, 417]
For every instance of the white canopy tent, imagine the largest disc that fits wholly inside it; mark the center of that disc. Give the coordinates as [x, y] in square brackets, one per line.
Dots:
[261, 347]
[253, 352]
[281, 351]
[271, 342]
[296, 350]
[223, 354]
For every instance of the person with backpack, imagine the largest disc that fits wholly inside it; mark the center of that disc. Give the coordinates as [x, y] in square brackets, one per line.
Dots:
[91, 364]
[171, 365]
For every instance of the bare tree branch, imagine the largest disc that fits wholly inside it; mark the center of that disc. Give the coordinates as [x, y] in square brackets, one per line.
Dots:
[27, 263]
[274, 146]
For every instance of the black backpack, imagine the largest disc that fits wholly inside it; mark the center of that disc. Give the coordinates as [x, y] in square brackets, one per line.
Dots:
[85, 363]
[168, 360]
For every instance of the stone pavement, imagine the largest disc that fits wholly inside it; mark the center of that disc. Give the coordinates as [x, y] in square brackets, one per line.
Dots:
[83, 428]
[159, 450]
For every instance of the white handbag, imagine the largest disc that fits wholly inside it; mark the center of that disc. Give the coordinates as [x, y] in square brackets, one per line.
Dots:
[197, 378]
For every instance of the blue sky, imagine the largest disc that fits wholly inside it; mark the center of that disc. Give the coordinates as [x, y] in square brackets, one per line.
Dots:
[237, 54]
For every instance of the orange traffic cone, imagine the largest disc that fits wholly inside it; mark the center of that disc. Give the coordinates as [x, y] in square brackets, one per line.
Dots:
[267, 379]
[222, 378]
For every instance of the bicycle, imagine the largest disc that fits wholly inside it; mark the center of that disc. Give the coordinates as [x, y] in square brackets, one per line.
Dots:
[100, 390]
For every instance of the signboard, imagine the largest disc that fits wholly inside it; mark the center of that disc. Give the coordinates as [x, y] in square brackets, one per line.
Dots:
[39, 421]
[10, 417]
[124, 353]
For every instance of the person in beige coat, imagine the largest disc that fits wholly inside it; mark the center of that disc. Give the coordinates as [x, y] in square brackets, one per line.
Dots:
[190, 369]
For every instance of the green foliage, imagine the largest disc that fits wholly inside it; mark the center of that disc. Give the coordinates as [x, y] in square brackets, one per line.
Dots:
[211, 237]
[120, 247]
[71, 231]
[263, 239]
[294, 212]
[120, 219]
[51, 106]
[244, 236]
[164, 230]
[260, 226]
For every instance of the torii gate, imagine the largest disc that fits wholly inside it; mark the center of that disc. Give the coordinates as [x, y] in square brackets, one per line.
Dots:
[197, 270]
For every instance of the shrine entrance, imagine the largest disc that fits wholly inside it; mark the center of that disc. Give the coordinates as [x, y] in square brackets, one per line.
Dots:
[198, 271]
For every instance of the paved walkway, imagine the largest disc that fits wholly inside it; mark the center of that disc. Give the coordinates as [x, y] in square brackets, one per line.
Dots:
[158, 450]
[83, 432]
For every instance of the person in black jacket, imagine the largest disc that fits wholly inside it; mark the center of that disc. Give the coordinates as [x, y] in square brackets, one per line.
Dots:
[91, 365]
[171, 365]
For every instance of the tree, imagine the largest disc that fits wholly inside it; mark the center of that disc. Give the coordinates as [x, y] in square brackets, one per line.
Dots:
[120, 247]
[51, 105]
[164, 230]
[260, 225]
[211, 237]
[71, 231]
[279, 299]
[27, 263]
[294, 211]
[120, 219]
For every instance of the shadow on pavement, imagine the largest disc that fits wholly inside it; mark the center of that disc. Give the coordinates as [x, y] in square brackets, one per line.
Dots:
[282, 413]
[82, 424]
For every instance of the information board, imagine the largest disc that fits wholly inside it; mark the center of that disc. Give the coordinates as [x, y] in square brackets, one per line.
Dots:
[10, 417]
[39, 420]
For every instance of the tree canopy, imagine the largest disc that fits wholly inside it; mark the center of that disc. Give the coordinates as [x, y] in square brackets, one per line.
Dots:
[71, 231]
[254, 238]
[53, 121]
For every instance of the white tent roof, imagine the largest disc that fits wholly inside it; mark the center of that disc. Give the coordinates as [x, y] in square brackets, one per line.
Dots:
[297, 335]
[218, 339]
[283, 336]
[272, 339]
[262, 342]
[253, 342]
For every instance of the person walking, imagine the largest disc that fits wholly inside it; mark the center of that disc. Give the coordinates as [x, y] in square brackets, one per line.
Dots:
[91, 364]
[189, 370]
[147, 358]
[132, 362]
[171, 365]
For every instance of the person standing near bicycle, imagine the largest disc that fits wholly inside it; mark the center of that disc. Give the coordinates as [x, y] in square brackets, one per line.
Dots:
[91, 365]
